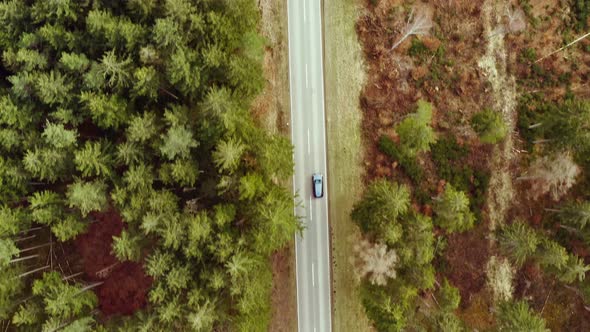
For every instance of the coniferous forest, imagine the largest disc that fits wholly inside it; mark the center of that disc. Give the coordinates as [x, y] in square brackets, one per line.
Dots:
[137, 192]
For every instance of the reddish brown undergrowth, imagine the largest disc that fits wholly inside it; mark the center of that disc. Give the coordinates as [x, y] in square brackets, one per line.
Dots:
[125, 284]
[466, 268]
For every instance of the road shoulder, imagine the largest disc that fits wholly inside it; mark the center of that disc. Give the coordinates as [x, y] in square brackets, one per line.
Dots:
[344, 76]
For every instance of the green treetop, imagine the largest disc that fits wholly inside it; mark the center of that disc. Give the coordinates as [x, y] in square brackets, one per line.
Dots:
[382, 203]
[518, 317]
[415, 133]
[87, 196]
[518, 241]
[452, 210]
[490, 126]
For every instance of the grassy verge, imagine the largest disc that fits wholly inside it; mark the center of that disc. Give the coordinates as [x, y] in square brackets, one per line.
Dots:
[344, 75]
[272, 111]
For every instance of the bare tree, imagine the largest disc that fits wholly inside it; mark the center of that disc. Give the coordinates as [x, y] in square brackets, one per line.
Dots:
[416, 25]
[555, 174]
[500, 277]
[375, 261]
[516, 21]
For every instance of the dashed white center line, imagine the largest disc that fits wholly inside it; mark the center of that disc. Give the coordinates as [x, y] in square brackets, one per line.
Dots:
[308, 143]
[312, 274]
[306, 79]
[304, 11]
[310, 212]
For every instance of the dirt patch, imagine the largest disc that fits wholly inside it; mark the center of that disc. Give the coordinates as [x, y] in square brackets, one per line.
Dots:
[271, 109]
[283, 291]
[95, 245]
[125, 285]
[466, 257]
[125, 290]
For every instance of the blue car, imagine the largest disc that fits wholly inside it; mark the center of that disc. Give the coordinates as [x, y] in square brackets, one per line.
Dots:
[318, 185]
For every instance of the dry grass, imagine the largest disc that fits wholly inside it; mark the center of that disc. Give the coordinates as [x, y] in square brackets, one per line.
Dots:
[271, 109]
[344, 76]
[493, 64]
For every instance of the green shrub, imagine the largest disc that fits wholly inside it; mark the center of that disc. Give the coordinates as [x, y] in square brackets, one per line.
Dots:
[490, 126]
[581, 11]
[450, 160]
[407, 163]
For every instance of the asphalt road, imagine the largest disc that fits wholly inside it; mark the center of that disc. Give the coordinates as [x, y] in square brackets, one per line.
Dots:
[309, 138]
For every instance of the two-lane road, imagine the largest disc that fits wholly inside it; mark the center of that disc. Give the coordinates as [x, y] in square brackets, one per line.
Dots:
[309, 138]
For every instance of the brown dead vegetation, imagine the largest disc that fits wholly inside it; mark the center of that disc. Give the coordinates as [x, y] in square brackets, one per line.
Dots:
[484, 65]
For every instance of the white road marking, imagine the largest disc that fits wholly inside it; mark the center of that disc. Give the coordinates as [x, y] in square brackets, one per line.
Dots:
[304, 11]
[306, 79]
[312, 274]
[310, 212]
[308, 143]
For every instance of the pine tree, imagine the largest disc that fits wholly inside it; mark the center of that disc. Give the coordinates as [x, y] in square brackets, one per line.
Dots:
[177, 142]
[275, 222]
[143, 127]
[415, 132]
[228, 154]
[8, 251]
[46, 207]
[178, 278]
[147, 82]
[167, 34]
[13, 220]
[575, 214]
[68, 228]
[129, 153]
[126, 247]
[23, 84]
[52, 88]
[63, 300]
[551, 254]
[518, 241]
[199, 232]
[58, 37]
[94, 159]
[11, 287]
[251, 185]
[47, 164]
[30, 59]
[518, 317]
[107, 111]
[159, 263]
[184, 72]
[29, 313]
[87, 196]
[139, 178]
[448, 297]
[13, 114]
[575, 269]
[490, 126]
[416, 246]
[57, 136]
[182, 172]
[61, 11]
[452, 210]
[117, 73]
[74, 62]
[276, 158]
[142, 8]
[202, 317]
[382, 203]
